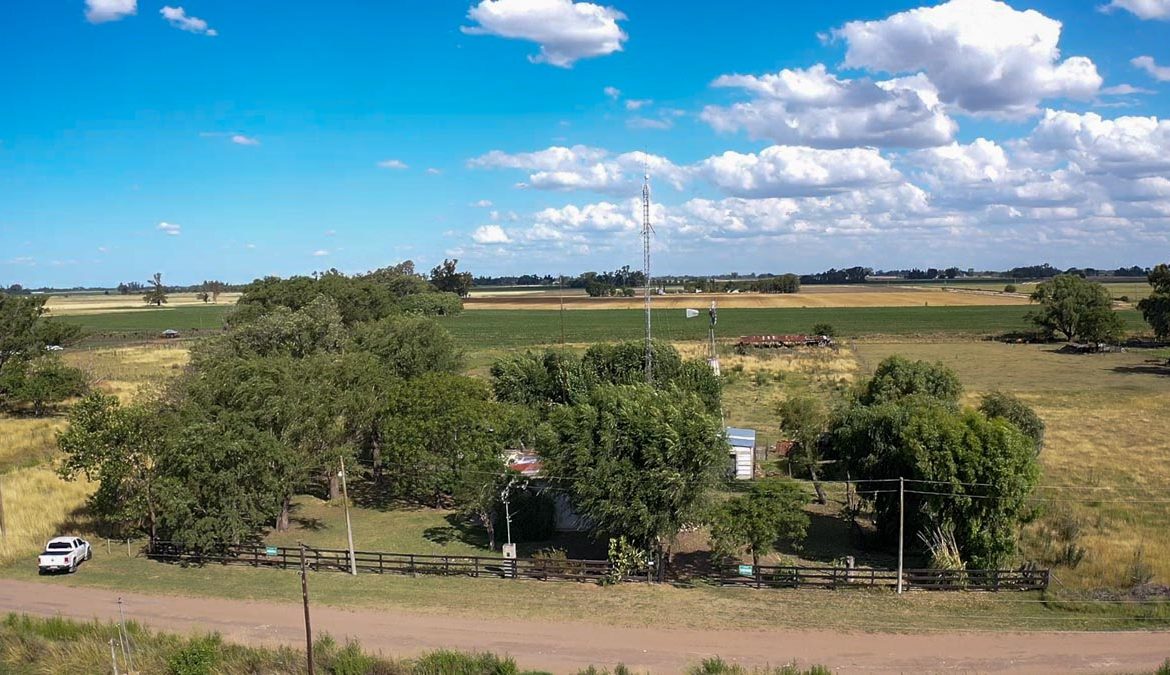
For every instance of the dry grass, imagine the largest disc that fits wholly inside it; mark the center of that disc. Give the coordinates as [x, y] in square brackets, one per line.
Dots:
[93, 303]
[124, 371]
[37, 505]
[26, 441]
[809, 296]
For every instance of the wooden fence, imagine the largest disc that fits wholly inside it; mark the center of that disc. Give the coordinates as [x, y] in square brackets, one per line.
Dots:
[762, 576]
[769, 576]
[378, 562]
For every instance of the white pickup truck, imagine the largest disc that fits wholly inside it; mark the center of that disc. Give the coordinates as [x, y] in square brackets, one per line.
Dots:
[64, 554]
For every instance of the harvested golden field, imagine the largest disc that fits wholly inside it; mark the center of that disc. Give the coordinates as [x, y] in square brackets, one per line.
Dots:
[94, 303]
[38, 504]
[809, 296]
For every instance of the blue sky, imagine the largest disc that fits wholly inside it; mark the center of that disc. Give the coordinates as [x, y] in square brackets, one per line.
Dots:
[232, 140]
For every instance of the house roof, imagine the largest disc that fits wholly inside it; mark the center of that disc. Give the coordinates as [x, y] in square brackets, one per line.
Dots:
[742, 438]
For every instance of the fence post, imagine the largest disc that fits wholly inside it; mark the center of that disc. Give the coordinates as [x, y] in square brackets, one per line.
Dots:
[475, 561]
[381, 569]
[127, 548]
[413, 572]
[756, 569]
[514, 568]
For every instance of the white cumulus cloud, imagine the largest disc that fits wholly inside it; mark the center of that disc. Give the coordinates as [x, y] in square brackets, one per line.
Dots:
[786, 170]
[241, 139]
[582, 167]
[1143, 9]
[982, 55]
[814, 107]
[1147, 63]
[320, 253]
[565, 30]
[177, 17]
[396, 164]
[101, 11]
[169, 228]
[612, 92]
[490, 234]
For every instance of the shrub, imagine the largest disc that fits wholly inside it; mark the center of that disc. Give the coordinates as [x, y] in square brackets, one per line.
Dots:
[432, 304]
[448, 663]
[197, 657]
[1124, 298]
[1010, 288]
[717, 666]
[350, 660]
[825, 329]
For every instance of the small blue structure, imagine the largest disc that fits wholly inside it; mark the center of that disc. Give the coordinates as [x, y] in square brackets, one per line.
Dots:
[742, 452]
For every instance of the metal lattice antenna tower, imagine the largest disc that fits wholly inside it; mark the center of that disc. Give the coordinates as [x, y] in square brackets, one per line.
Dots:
[647, 230]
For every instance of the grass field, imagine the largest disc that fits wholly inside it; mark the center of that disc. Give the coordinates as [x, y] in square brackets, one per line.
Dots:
[516, 328]
[147, 323]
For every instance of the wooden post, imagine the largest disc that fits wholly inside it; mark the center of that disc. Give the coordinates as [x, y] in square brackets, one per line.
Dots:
[348, 527]
[901, 526]
[113, 657]
[128, 548]
[308, 626]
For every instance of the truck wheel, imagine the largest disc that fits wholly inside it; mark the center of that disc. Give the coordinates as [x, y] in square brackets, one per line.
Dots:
[88, 553]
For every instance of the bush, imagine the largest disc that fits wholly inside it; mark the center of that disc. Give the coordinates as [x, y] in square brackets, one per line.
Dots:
[825, 329]
[350, 660]
[458, 663]
[432, 304]
[1010, 288]
[197, 657]
[1124, 298]
[717, 666]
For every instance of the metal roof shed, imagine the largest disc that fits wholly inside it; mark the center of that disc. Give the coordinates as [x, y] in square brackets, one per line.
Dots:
[743, 452]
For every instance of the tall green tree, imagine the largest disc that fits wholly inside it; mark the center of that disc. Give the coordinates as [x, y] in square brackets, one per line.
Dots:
[156, 293]
[636, 461]
[804, 418]
[1079, 310]
[771, 511]
[120, 448]
[1155, 308]
[409, 346]
[40, 383]
[445, 278]
[978, 471]
[998, 404]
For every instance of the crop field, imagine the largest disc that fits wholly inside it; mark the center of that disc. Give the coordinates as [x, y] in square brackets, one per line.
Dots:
[517, 328]
[95, 303]
[809, 296]
[190, 320]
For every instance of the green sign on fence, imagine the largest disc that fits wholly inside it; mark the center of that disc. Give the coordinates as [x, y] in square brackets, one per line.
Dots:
[270, 551]
[745, 570]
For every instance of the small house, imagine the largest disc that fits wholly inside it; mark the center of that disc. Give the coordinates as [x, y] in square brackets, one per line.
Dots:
[742, 452]
[529, 464]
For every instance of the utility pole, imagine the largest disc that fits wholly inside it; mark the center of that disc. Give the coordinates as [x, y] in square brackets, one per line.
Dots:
[113, 657]
[901, 526]
[305, 598]
[647, 230]
[348, 527]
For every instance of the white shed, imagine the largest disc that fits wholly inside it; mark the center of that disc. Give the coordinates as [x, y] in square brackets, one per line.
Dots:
[743, 452]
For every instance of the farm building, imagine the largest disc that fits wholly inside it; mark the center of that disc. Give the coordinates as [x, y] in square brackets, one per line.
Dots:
[783, 341]
[528, 464]
[742, 453]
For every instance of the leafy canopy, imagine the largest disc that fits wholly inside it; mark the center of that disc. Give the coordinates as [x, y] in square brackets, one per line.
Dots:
[771, 511]
[1156, 307]
[636, 461]
[1078, 309]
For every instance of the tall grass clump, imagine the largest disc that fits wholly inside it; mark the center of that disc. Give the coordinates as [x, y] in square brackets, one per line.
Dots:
[38, 505]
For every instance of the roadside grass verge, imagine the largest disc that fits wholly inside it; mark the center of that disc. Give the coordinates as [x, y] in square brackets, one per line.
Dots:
[703, 607]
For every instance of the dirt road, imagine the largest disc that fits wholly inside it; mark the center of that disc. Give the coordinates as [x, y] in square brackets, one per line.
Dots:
[565, 647]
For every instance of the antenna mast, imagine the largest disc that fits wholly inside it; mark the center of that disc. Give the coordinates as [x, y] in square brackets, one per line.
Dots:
[647, 229]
